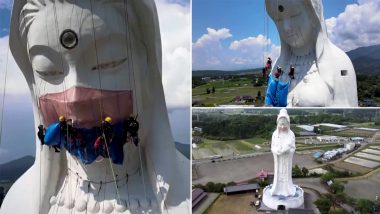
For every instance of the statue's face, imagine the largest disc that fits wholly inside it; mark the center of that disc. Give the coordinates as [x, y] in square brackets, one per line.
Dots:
[70, 68]
[283, 124]
[292, 20]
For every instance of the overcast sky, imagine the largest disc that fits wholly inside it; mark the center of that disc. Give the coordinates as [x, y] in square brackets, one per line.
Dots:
[229, 34]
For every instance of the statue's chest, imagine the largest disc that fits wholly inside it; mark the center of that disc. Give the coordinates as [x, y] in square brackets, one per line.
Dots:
[308, 88]
[126, 194]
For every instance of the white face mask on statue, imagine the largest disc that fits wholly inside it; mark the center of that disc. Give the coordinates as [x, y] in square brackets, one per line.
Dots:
[283, 124]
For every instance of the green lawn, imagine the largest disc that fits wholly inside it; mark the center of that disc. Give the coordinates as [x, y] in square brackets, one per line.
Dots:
[355, 133]
[226, 91]
[365, 125]
[234, 145]
[319, 147]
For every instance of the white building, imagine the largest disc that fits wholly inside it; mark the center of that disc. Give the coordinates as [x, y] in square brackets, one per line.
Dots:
[349, 146]
[198, 129]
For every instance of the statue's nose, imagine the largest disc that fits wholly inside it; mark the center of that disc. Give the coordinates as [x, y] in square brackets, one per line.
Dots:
[71, 79]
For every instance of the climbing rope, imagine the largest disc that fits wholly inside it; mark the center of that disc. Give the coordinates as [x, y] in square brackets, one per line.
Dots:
[3, 96]
[65, 99]
[100, 101]
[129, 41]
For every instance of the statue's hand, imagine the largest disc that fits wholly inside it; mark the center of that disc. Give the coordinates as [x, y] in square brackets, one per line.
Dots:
[279, 150]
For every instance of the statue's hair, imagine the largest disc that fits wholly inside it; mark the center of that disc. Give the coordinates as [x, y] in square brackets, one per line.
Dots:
[32, 7]
[27, 15]
[317, 7]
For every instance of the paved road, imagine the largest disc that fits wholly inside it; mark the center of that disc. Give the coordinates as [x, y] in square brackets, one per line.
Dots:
[311, 183]
[229, 157]
[310, 197]
[242, 169]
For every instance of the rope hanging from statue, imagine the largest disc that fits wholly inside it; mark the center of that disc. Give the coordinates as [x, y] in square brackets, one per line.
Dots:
[106, 127]
[134, 125]
[147, 156]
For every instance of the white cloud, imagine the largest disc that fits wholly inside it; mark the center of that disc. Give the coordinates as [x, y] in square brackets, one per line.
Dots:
[253, 51]
[175, 34]
[357, 26]
[213, 37]
[249, 42]
[209, 52]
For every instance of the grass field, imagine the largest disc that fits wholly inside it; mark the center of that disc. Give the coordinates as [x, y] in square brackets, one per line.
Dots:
[354, 133]
[322, 147]
[226, 91]
[229, 147]
[232, 204]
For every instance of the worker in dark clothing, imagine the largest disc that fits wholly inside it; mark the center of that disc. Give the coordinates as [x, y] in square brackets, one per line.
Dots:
[264, 72]
[63, 126]
[107, 129]
[41, 134]
[63, 130]
[132, 129]
[269, 64]
[105, 137]
[291, 72]
[279, 72]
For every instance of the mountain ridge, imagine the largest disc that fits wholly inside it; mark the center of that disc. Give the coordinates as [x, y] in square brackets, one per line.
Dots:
[12, 170]
[366, 61]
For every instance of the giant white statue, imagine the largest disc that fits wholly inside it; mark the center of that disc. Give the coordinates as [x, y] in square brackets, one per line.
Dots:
[283, 193]
[311, 71]
[104, 143]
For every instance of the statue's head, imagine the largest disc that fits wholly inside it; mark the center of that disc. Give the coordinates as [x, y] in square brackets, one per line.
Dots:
[90, 59]
[82, 55]
[283, 121]
[298, 22]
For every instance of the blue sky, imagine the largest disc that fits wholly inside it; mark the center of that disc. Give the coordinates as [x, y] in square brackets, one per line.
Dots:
[4, 21]
[246, 18]
[243, 17]
[174, 18]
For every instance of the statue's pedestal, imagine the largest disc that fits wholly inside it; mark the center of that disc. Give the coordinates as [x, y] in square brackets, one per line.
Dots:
[276, 202]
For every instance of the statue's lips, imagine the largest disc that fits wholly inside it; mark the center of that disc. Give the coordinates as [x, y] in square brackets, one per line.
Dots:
[85, 106]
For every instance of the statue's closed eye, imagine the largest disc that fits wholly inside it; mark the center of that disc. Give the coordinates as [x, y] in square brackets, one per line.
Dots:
[49, 73]
[45, 66]
[110, 64]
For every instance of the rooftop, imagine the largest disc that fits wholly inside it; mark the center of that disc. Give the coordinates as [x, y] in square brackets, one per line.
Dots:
[242, 187]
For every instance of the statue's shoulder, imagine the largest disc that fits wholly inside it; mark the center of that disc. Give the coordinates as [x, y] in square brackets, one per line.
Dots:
[334, 64]
[336, 57]
[292, 134]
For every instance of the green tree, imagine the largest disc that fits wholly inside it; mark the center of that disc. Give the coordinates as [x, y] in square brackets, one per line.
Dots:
[210, 187]
[219, 187]
[328, 177]
[305, 171]
[231, 183]
[338, 211]
[365, 206]
[323, 204]
[337, 187]
[296, 171]
[333, 199]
